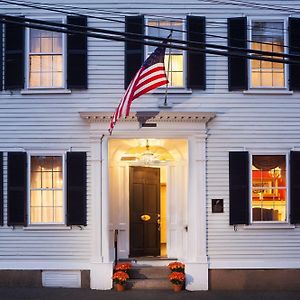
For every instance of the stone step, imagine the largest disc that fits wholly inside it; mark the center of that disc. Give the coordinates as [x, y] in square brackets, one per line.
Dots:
[144, 284]
[149, 273]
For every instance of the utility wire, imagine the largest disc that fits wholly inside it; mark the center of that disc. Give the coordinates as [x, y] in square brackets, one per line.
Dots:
[49, 8]
[52, 26]
[133, 37]
[255, 5]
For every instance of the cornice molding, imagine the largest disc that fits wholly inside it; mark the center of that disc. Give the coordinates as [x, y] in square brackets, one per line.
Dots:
[142, 117]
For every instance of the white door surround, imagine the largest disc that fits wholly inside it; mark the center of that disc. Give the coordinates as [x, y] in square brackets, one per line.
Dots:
[190, 126]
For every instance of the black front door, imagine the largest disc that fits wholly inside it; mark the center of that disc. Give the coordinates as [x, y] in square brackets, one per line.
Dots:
[144, 184]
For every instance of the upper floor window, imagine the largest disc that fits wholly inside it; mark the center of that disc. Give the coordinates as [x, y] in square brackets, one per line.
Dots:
[45, 59]
[174, 59]
[268, 36]
[269, 188]
[46, 190]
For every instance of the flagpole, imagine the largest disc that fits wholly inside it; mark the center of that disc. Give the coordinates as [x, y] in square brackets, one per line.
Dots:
[168, 71]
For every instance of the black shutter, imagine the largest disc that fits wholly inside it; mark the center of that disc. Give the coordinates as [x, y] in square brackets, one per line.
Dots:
[77, 55]
[134, 52]
[237, 66]
[196, 61]
[17, 189]
[294, 48]
[1, 189]
[239, 187]
[1, 56]
[14, 56]
[76, 188]
[295, 187]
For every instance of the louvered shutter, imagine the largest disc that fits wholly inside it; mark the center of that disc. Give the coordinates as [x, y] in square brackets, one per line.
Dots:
[17, 189]
[134, 52]
[294, 48]
[237, 66]
[76, 188]
[196, 61]
[14, 56]
[1, 55]
[239, 188]
[77, 70]
[295, 187]
[1, 188]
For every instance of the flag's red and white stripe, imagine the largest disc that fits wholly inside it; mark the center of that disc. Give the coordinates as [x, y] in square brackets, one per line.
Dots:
[145, 80]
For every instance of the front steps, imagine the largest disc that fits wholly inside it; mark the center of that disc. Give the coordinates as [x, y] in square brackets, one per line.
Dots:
[149, 277]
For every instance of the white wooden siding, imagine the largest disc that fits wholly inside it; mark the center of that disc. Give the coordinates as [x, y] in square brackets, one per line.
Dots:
[251, 122]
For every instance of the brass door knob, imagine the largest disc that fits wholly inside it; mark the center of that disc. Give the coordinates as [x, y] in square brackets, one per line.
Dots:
[145, 218]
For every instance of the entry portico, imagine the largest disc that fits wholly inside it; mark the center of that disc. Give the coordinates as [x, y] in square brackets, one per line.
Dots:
[163, 126]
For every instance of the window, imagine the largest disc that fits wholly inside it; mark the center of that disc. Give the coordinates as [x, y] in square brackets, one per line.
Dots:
[45, 59]
[174, 58]
[267, 36]
[46, 190]
[269, 188]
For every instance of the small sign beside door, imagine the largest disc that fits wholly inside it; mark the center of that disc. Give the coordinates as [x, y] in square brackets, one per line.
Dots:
[217, 205]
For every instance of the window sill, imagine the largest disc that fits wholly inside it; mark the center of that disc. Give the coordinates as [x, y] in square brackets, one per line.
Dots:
[268, 92]
[269, 226]
[46, 227]
[173, 91]
[45, 91]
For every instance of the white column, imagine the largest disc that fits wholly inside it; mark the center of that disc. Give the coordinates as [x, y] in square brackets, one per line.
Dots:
[196, 259]
[101, 267]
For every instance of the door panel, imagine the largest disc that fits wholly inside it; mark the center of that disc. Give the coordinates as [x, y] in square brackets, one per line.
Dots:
[144, 186]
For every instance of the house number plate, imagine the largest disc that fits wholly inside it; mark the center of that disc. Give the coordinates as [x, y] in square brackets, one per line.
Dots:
[145, 218]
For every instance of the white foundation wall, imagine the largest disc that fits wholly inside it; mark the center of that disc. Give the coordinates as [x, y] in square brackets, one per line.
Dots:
[252, 122]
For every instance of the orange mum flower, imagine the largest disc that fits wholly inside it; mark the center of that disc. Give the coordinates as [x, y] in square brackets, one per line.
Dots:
[177, 278]
[125, 267]
[120, 277]
[176, 266]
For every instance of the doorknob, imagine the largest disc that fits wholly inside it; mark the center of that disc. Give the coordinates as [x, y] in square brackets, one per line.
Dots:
[145, 218]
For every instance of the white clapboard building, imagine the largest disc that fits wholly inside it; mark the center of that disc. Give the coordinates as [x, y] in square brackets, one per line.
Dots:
[208, 175]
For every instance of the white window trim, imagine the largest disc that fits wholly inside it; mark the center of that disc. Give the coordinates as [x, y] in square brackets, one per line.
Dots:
[64, 65]
[285, 36]
[46, 225]
[270, 224]
[176, 89]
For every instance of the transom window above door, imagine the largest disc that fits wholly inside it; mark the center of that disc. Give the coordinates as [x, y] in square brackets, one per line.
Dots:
[174, 59]
[268, 36]
[45, 59]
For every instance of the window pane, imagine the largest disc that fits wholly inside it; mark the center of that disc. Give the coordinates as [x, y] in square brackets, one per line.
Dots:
[58, 198]
[57, 180]
[36, 198]
[47, 203]
[46, 79]
[47, 180]
[57, 63]
[57, 79]
[36, 215]
[268, 36]
[58, 215]
[47, 197]
[57, 45]
[34, 79]
[269, 188]
[46, 63]
[35, 63]
[47, 214]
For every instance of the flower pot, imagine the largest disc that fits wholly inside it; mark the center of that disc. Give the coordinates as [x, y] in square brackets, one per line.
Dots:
[177, 288]
[120, 287]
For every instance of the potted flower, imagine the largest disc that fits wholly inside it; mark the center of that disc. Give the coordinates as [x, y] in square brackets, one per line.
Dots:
[125, 267]
[119, 278]
[176, 266]
[177, 279]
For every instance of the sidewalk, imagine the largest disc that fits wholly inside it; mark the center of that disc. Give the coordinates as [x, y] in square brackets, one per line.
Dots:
[85, 294]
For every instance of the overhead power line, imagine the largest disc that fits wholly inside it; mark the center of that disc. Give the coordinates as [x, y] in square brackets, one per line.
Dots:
[55, 9]
[154, 38]
[115, 35]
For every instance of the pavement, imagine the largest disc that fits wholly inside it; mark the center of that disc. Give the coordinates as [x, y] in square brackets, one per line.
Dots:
[86, 294]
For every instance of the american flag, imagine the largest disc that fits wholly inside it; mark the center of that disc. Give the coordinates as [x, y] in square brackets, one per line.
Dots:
[151, 75]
